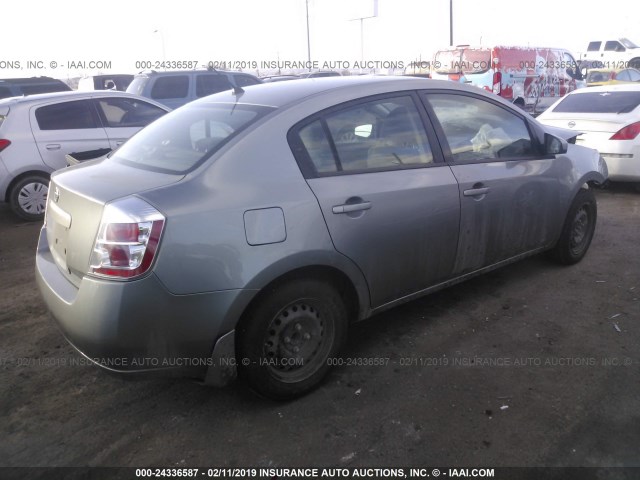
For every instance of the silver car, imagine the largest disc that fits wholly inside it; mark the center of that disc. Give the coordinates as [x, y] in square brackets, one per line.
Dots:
[36, 132]
[244, 232]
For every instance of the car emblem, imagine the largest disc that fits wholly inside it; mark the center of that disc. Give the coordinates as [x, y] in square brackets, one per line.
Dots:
[571, 124]
[56, 195]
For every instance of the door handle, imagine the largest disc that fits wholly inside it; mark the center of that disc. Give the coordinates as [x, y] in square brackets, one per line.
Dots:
[476, 191]
[351, 207]
[53, 146]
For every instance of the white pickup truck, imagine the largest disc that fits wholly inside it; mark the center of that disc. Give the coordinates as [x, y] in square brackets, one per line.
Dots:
[613, 54]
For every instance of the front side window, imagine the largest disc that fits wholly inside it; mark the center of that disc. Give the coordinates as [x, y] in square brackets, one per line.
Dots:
[66, 116]
[128, 112]
[478, 130]
[614, 46]
[210, 84]
[181, 140]
[245, 80]
[176, 86]
[381, 134]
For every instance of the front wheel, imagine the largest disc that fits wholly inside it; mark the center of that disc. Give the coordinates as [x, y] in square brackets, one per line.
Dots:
[578, 229]
[28, 197]
[286, 341]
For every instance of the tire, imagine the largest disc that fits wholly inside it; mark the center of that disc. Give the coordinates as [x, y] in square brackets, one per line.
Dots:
[634, 63]
[578, 229]
[287, 339]
[28, 197]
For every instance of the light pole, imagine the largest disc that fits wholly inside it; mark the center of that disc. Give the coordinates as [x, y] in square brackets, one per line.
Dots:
[158, 31]
[451, 23]
[308, 38]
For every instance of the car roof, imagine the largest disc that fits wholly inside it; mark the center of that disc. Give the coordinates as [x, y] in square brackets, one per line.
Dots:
[30, 80]
[148, 73]
[40, 97]
[617, 70]
[280, 94]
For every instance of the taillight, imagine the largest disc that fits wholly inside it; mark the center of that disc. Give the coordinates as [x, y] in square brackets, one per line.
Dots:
[127, 239]
[629, 132]
[4, 143]
[497, 83]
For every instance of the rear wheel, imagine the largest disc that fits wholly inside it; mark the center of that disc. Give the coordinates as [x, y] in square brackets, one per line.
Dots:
[28, 197]
[578, 229]
[286, 341]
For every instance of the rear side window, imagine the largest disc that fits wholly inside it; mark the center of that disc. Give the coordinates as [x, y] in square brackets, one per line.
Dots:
[600, 102]
[183, 139]
[594, 46]
[127, 112]
[176, 86]
[66, 116]
[384, 133]
[210, 84]
[478, 130]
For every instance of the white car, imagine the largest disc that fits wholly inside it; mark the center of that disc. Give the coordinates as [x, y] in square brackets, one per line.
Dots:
[38, 131]
[607, 119]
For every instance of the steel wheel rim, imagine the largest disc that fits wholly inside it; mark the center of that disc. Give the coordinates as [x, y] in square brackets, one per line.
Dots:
[580, 230]
[297, 341]
[32, 198]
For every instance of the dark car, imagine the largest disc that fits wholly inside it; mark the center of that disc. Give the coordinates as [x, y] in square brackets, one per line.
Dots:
[17, 87]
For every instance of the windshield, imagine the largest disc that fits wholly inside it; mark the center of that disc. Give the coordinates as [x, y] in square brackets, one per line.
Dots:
[628, 43]
[463, 60]
[184, 138]
[599, 102]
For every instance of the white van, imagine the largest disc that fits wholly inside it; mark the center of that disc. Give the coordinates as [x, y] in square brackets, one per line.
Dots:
[530, 77]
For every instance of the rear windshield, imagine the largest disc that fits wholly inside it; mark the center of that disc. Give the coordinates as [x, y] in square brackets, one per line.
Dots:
[599, 102]
[463, 60]
[186, 137]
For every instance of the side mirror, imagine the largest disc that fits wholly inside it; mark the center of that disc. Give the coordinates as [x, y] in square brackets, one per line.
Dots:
[554, 145]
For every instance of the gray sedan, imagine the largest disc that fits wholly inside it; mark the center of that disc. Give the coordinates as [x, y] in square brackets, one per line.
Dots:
[242, 233]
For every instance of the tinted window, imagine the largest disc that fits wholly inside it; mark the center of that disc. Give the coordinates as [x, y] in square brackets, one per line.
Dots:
[176, 86]
[476, 129]
[66, 116]
[613, 46]
[5, 92]
[601, 102]
[594, 46]
[245, 80]
[181, 140]
[210, 84]
[379, 134]
[128, 112]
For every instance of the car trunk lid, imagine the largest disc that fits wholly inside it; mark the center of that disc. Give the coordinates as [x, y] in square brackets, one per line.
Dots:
[77, 197]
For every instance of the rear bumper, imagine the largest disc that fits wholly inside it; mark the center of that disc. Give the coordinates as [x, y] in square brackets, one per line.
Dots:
[139, 327]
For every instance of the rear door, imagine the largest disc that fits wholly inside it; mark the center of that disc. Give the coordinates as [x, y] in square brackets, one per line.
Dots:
[66, 127]
[122, 117]
[509, 192]
[390, 204]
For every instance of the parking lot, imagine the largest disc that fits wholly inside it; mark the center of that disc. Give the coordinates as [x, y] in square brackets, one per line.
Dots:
[532, 365]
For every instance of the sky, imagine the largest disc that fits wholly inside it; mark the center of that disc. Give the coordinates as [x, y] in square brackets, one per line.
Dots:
[68, 38]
